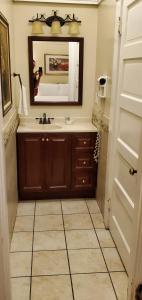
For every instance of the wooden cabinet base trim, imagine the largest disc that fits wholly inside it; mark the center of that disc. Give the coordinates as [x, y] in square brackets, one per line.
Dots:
[61, 195]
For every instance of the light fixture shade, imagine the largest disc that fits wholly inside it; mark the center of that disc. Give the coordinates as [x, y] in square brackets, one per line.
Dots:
[56, 27]
[73, 28]
[37, 27]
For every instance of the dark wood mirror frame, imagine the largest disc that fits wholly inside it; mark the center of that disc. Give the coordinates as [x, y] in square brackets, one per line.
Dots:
[80, 40]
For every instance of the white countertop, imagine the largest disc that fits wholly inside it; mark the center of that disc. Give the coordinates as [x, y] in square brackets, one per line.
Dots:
[78, 125]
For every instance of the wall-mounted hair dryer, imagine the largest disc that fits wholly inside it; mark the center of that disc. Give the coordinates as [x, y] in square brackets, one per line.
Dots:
[102, 86]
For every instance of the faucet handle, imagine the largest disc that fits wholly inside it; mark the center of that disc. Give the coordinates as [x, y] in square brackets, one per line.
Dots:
[49, 120]
[40, 120]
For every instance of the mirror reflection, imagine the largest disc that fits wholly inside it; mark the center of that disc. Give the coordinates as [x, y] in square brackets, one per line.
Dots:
[56, 71]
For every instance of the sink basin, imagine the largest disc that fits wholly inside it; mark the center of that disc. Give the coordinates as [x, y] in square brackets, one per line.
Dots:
[43, 127]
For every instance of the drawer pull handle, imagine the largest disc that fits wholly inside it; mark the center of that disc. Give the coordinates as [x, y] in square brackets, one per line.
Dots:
[84, 163]
[84, 142]
[43, 139]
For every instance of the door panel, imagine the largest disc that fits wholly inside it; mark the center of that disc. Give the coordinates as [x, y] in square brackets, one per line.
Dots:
[30, 163]
[129, 130]
[125, 179]
[58, 162]
[130, 137]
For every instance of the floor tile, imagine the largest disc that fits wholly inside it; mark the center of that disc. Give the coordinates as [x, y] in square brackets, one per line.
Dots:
[105, 238]
[46, 207]
[20, 264]
[22, 241]
[26, 208]
[51, 288]
[20, 288]
[77, 221]
[86, 261]
[98, 220]
[120, 282]
[74, 206]
[77, 239]
[112, 259]
[93, 287]
[49, 240]
[50, 263]
[93, 206]
[49, 222]
[24, 223]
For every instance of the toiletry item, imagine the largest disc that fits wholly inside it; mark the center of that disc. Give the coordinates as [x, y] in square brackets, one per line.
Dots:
[68, 121]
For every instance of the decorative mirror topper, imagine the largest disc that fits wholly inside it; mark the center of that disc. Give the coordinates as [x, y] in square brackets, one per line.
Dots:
[5, 72]
[56, 70]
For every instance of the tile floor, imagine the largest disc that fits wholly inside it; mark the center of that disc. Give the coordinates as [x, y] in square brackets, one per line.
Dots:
[60, 250]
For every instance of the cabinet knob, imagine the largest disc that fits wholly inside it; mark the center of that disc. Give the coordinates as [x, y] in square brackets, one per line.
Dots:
[84, 163]
[83, 181]
[47, 139]
[84, 142]
[43, 139]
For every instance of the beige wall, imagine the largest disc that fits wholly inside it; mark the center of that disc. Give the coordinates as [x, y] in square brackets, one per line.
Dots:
[88, 14]
[101, 111]
[8, 130]
[105, 44]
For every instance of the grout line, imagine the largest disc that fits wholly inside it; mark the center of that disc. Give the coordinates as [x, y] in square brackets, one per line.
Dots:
[52, 275]
[67, 253]
[47, 250]
[32, 254]
[102, 254]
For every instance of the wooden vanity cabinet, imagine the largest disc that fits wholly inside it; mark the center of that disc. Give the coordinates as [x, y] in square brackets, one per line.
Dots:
[56, 165]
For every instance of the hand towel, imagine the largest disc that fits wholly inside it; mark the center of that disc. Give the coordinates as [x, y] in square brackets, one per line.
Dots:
[22, 110]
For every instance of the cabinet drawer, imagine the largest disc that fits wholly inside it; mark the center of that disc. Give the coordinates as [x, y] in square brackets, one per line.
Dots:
[84, 141]
[82, 159]
[83, 180]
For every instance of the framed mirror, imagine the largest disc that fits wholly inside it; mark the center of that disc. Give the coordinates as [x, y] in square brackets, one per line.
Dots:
[55, 70]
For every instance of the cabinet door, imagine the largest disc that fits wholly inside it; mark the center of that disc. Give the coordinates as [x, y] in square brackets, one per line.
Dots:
[30, 164]
[58, 162]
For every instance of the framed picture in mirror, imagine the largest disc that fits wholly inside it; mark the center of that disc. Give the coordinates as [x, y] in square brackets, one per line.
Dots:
[5, 71]
[56, 64]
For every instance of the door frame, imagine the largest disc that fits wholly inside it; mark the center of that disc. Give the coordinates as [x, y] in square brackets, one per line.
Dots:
[113, 114]
[5, 289]
[136, 257]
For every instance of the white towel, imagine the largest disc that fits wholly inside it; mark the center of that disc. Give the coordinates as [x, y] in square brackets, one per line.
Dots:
[23, 110]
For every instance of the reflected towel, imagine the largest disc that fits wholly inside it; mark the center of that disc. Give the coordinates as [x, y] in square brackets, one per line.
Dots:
[22, 110]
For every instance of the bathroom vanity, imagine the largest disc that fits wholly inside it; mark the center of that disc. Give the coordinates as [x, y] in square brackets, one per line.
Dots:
[56, 161]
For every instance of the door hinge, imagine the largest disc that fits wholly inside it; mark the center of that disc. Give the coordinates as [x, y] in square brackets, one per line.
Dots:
[109, 205]
[120, 26]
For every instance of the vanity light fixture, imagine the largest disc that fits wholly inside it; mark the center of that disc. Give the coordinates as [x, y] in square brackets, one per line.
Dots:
[55, 22]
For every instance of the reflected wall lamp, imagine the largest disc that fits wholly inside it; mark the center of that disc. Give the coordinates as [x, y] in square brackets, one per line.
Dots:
[55, 22]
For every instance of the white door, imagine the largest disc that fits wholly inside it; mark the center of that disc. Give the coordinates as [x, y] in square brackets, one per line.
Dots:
[125, 193]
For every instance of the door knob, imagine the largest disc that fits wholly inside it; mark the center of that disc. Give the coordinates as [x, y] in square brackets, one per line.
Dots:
[132, 171]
